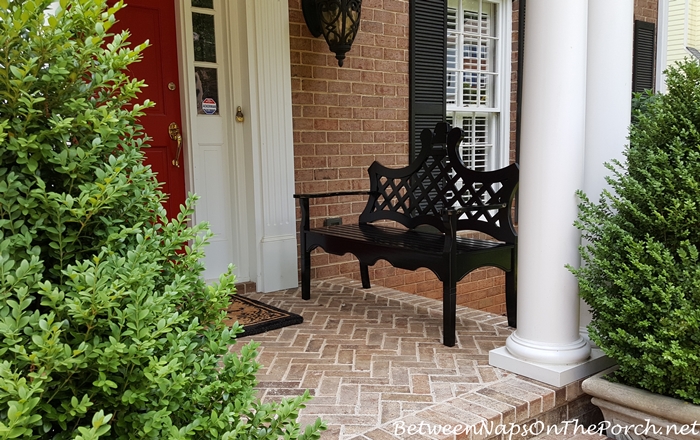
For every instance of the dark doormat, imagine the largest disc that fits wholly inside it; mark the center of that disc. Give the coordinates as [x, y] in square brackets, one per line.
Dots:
[257, 317]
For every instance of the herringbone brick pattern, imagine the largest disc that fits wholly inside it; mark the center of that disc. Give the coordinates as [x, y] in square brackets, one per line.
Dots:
[375, 364]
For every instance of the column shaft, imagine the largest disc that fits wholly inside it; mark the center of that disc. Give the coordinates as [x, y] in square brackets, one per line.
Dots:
[552, 169]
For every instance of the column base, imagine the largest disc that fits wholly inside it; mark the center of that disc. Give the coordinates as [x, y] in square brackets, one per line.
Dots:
[551, 374]
[545, 353]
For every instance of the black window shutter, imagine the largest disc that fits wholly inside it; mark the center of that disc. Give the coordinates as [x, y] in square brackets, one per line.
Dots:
[428, 49]
[643, 64]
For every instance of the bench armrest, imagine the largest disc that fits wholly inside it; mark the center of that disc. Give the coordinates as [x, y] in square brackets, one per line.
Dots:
[332, 194]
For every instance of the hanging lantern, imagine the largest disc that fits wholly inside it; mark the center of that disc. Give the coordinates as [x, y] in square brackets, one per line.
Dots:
[337, 20]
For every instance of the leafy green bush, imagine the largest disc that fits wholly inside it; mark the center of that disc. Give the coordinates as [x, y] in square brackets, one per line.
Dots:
[641, 272]
[106, 326]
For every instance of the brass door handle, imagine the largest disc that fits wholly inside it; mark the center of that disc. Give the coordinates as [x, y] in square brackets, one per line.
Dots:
[174, 132]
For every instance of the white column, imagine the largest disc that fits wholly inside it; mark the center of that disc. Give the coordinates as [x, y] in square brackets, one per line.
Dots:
[551, 161]
[547, 345]
[608, 103]
[273, 143]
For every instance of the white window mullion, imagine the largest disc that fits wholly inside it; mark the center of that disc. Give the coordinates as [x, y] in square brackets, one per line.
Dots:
[478, 31]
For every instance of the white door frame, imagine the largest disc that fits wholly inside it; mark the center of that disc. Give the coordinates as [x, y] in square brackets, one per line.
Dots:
[256, 68]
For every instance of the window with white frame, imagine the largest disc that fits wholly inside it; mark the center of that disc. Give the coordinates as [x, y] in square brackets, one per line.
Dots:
[477, 75]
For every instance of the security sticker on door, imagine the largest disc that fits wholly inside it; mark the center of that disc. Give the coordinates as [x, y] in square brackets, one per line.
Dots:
[209, 106]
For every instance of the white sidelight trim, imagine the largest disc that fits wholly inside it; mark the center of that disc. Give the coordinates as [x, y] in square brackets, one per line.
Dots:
[608, 103]
[551, 171]
[272, 143]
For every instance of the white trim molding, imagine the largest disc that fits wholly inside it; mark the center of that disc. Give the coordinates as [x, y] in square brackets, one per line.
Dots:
[272, 143]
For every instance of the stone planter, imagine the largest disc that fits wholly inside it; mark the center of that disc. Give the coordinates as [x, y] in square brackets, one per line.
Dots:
[634, 414]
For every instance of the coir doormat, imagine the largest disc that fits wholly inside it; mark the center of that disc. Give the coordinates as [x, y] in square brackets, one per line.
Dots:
[257, 317]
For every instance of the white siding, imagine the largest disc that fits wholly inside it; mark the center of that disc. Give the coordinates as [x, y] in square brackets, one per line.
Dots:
[677, 31]
[694, 24]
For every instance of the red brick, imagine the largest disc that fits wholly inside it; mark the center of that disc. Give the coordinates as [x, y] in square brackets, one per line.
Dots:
[314, 85]
[339, 185]
[347, 74]
[314, 162]
[302, 98]
[385, 114]
[351, 173]
[300, 44]
[314, 59]
[312, 137]
[315, 111]
[385, 90]
[386, 66]
[325, 124]
[302, 124]
[395, 30]
[385, 136]
[385, 41]
[363, 113]
[313, 187]
[337, 136]
[362, 161]
[372, 125]
[394, 54]
[372, 77]
[372, 52]
[395, 78]
[396, 125]
[325, 72]
[374, 4]
[349, 100]
[373, 149]
[385, 17]
[362, 89]
[350, 125]
[372, 27]
[395, 5]
[303, 175]
[327, 271]
[361, 136]
[339, 87]
[326, 99]
[339, 112]
[372, 101]
[395, 103]
[301, 71]
[362, 63]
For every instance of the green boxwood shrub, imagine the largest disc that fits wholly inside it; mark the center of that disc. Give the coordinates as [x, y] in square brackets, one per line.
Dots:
[641, 273]
[106, 326]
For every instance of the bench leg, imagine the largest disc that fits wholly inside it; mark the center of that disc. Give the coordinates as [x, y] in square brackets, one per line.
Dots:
[305, 274]
[364, 275]
[449, 312]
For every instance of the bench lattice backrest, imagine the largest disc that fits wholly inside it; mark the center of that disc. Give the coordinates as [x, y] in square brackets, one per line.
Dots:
[436, 181]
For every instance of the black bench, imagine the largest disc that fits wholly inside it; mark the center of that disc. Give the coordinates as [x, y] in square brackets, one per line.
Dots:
[433, 198]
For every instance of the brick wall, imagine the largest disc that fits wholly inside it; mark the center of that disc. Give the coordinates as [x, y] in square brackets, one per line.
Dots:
[344, 119]
[646, 10]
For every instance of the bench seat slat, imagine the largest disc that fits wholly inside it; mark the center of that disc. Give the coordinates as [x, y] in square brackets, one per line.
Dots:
[422, 242]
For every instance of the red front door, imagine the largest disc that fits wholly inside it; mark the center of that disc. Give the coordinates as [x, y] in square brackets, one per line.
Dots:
[155, 21]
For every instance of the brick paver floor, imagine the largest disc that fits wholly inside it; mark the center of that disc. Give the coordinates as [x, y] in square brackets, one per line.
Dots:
[374, 361]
